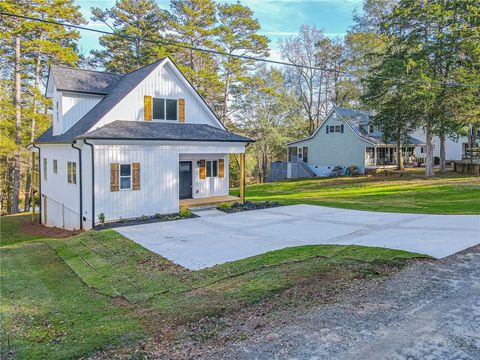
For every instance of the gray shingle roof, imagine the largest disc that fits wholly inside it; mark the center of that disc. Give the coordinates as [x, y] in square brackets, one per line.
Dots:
[84, 81]
[358, 120]
[126, 84]
[153, 130]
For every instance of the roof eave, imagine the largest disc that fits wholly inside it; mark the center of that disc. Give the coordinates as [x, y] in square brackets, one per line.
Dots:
[246, 140]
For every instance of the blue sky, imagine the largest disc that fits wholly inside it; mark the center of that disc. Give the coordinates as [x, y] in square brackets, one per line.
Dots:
[278, 18]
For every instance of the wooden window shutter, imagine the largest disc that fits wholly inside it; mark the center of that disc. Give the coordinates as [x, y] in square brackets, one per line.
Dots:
[114, 177]
[181, 110]
[342, 128]
[147, 108]
[135, 176]
[202, 169]
[221, 168]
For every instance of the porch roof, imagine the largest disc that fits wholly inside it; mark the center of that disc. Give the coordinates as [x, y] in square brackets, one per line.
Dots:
[167, 131]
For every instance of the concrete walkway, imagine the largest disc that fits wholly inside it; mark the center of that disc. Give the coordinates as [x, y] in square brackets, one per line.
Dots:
[209, 240]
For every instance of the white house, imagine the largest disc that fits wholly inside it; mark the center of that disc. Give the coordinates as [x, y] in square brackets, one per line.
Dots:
[454, 147]
[345, 138]
[129, 145]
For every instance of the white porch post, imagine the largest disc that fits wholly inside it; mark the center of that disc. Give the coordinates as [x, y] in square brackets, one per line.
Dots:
[374, 156]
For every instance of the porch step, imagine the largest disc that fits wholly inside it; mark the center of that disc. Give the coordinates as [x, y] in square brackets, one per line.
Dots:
[207, 212]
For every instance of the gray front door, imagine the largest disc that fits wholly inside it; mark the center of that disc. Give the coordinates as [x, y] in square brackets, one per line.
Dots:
[185, 175]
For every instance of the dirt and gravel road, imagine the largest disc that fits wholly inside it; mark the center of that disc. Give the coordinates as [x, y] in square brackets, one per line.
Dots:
[431, 310]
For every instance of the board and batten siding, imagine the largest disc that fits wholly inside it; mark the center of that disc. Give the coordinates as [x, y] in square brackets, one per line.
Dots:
[159, 173]
[75, 106]
[62, 197]
[329, 150]
[213, 186]
[163, 82]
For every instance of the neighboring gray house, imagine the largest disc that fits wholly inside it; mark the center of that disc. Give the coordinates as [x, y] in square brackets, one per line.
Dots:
[344, 138]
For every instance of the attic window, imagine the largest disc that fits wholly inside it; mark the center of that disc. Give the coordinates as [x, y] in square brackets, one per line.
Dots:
[371, 129]
[164, 109]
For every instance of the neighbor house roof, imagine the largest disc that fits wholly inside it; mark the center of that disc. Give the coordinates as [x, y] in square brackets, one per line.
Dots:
[167, 131]
[358, 121]
[83, 81]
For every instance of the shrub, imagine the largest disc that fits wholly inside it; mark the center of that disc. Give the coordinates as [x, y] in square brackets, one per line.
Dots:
[185, 213]
[224, 206]
[122, 220]
[143, 218]
[158, 215]
[101, 218]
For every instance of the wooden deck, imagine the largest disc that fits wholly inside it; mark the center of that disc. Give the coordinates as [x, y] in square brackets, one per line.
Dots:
[212, 200]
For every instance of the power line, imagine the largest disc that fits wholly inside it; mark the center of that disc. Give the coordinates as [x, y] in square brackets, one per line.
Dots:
[216, 52]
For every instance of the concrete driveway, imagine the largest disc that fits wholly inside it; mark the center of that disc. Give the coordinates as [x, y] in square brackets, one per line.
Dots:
[217, 237]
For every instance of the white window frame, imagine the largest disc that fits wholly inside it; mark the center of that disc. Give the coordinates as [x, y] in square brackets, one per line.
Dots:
[164, 108]
[120, 176]
[332, 129]
[45, 169]
[71, 173]
[212, 172]
[371, 129]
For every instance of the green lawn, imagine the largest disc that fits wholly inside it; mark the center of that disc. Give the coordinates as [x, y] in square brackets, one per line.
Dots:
[65, 298]
[444, 194]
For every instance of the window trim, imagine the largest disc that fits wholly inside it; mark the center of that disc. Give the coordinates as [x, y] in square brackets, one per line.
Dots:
[72, 172]
[120, 176]
[213, 170]
[165, 109]
[45, 168]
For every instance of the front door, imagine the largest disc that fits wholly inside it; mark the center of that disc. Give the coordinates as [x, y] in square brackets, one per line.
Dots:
[185, 176]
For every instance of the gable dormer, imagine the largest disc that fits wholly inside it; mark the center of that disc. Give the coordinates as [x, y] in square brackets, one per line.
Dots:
[74, 93]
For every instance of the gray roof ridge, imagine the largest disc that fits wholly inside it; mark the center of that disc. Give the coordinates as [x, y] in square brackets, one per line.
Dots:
[89, 70]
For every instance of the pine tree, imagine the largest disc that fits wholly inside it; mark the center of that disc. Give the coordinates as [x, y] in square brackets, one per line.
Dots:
[143, 22]
[29, 48]
[238, 35]
[193, 24]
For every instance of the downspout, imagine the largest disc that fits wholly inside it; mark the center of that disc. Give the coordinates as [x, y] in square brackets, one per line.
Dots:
[93, 181]
[39, 184]
[80, 180]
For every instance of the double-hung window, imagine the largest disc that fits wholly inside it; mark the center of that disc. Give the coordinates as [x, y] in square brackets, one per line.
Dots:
[71, 172]
[45, 168]
[125, 176]
[164, 109]
[332, 129]
[212, 168]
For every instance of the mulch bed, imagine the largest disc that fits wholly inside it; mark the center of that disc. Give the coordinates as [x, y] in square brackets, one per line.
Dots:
[143, 220]
[249, 205]
[48, 232]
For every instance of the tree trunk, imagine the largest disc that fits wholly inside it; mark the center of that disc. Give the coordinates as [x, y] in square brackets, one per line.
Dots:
[18, 141]
[429, 150]
[264, 167]
[399, 153]
[442, 152]
[32, 130]
[225, 99]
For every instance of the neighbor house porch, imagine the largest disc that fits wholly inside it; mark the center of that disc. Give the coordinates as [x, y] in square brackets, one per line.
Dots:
[387, 155]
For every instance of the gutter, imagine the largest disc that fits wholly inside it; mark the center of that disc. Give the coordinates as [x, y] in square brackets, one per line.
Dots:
[39, 183]
[93, 181]
[80, 180]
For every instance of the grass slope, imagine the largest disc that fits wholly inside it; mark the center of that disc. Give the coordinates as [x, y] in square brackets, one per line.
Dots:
[66, 298]
[48, 313]
[444, 194]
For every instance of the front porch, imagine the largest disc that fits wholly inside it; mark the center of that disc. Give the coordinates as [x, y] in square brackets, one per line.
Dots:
[387, 156]
[208, 201]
